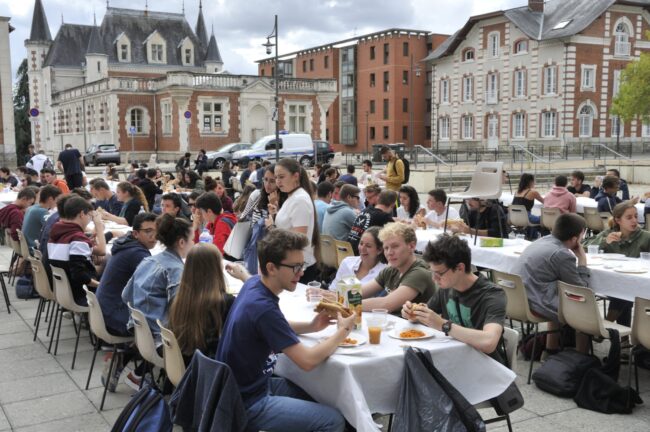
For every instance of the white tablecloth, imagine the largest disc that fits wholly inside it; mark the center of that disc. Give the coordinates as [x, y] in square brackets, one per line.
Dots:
[604, 281]
[7, 198]
[359, 385]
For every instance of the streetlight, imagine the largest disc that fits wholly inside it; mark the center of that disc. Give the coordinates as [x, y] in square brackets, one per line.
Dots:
[276, 113]
[437, 127]
[417, 71]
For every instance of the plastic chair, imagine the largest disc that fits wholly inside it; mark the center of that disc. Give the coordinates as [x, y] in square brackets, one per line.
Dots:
[647, 222]
[22, 242]
[640, 336]
[43, 288]
[144, 339]
[511, 339]
[549, 216]
[519, 217]
[7, 272]
[172, 355]
[15, 256]
[593, 220]
[65, 301]
[236, 184]
[328, 251]
[98, 327]
[343, 250]
[517, 307]
[486, 184]
[578, 308]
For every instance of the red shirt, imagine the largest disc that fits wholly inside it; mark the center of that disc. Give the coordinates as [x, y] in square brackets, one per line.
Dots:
[220, 229]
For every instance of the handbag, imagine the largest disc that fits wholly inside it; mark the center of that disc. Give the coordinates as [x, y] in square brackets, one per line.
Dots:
[238, 239]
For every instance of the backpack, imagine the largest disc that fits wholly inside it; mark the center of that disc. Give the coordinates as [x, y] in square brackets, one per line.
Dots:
[25, 288]
[48, 164]
[147, 411]
[562, 373]
[407, 169]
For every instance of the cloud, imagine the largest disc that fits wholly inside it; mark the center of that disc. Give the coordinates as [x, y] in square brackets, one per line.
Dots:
[242, 28]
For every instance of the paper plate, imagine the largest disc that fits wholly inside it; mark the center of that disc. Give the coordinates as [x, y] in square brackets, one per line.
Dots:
[397, 333]
[354, 336]
[631, 270]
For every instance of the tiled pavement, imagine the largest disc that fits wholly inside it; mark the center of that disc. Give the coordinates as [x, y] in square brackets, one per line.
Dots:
[39, 392]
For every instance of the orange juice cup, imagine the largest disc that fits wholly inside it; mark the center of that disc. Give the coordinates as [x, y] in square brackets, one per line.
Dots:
[374, 330]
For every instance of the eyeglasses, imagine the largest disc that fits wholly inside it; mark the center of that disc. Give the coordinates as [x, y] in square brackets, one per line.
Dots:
[297, 268]
[441, 274]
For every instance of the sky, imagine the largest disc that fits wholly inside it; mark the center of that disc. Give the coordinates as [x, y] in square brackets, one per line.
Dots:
[242, 26]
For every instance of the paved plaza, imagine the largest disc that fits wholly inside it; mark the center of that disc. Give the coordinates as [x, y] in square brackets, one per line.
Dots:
[39, 391]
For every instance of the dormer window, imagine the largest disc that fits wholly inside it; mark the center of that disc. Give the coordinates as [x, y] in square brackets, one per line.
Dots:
[186, 50]
[521, 46]
[156, 48]
[123, 48]
[468, 54]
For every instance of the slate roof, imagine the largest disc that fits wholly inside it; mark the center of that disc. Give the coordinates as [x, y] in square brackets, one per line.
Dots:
[540, 26]
[40, 29]
[201, 32]
[95, 45]
[73, 40]
[213, 54]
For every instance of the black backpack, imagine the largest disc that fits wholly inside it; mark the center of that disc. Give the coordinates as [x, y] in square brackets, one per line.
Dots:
[407, 169]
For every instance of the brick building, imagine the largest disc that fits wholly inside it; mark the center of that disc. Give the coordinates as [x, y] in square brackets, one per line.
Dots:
[380, 79]
[7, 131]
[542, 74]
[134, 79]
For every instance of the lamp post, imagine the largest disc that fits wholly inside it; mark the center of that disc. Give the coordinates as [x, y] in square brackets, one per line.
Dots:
[417, 71]
[276, 75]
[437, 127]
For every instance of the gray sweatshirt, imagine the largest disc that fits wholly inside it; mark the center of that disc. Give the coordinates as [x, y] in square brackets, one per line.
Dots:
[540, 266]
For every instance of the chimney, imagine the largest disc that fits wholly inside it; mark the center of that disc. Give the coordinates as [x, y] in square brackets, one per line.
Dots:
[536, 5]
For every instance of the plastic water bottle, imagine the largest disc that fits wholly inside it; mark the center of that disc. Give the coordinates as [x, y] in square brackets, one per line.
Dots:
[205, 236]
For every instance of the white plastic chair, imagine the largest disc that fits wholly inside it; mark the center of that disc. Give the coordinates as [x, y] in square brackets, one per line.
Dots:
[144, 338]
[172, 355]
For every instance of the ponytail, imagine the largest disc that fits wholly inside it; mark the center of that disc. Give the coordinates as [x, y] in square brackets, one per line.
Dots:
[134, 192]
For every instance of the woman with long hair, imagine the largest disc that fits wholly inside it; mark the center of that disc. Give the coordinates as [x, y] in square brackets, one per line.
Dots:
[297, 213]
[526, 196]
[133, 200]
[626, 237]
[258, 203]
[219, 188]
[192, 182]
[409, 203]
[201, 305]
[240, 203]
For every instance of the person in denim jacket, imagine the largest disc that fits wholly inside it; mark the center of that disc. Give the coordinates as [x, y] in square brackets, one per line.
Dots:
[154, 283]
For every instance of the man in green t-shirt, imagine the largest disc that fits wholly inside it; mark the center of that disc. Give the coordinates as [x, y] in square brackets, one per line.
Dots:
[407, 278]
[467, 307]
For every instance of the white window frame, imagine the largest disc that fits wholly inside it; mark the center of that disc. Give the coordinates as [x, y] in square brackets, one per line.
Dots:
[588, 77]
[621, 127]
[297, 117]
[157, 52]
[519, 125]
[520, 83]
[136, 120]
[586, 122]
[468, 88]
[492, 88]
[622, 46]
[549, 124]
[219, 116]
[467, 127]
[517, 47]
[645, 130]
[466, 52]
[444, 125]
[617, 82]
[166, 113]
[444, 91]
[494, 41]
[550, 80]
[142, 124]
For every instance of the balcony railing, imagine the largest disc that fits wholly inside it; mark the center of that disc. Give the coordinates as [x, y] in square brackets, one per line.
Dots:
[622, 48]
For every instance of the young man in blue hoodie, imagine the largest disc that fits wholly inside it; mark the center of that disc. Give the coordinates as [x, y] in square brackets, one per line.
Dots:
[607, 198]
[341, 214]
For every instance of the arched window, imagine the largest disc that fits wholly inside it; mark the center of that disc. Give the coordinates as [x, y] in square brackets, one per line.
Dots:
[586, 117]
[468, 54]
[136, 120]
[521, 46]
[622, 40]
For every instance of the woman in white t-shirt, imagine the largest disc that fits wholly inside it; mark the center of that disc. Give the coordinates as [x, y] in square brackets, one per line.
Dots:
[297, 213]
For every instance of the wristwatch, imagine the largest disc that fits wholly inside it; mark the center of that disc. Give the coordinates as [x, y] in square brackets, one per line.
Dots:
[446, 327]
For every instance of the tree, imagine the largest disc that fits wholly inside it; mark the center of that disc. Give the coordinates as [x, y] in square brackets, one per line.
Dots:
[633, 99]
[21, 112]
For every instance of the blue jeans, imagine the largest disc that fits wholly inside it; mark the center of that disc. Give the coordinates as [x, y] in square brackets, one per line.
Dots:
[288, 408]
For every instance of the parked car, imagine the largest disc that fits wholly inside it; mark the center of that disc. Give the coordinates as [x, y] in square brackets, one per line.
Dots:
[324, 151]
[102, 153]
[298, 146]
[216, 158]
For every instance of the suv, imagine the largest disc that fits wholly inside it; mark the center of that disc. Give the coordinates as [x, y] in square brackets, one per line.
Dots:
[324, 151]
[216, 158]
[102, 153]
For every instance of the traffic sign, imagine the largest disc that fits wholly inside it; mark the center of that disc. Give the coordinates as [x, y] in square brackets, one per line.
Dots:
[132, 130]
[187, 114]
[34, 112]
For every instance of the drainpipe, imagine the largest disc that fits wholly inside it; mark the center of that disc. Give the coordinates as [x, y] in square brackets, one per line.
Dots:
[155, 127]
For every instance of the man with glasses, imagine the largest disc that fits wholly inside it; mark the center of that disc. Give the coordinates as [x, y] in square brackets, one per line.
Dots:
[467, 307]
[341, 213]
[127, 252]
[256, 331]
[407, 277]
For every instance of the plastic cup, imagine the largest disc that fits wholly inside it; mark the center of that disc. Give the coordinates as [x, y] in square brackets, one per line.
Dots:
[314, 298]
[314, 285]
[645, 256]
[375, 326]
[381, 315]
[592, 249]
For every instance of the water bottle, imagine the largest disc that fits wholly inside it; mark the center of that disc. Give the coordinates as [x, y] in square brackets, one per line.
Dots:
[205, 236]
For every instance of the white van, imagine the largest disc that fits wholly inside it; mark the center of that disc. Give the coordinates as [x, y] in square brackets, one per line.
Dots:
[295, 146]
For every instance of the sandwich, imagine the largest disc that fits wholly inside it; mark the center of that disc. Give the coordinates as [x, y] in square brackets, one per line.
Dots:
[332, 309]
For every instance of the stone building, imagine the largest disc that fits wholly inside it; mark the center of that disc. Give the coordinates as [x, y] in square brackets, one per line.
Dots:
[7, 131]
[539, 75]
[147, 82]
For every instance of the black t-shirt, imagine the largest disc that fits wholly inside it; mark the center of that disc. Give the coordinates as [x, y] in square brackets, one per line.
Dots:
[70, 160]
[489, 220]
[483, 303]
[369, 217]
[583, 188]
